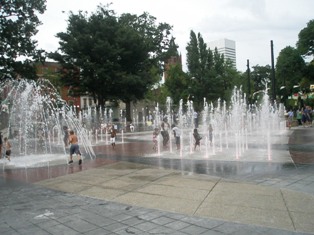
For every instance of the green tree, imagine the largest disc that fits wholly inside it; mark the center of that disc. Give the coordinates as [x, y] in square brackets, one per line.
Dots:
[305, 43]
[177, 84]
[290, 68]
[211, 77]
[18, 20]
[146, 55]
[260, 76]
[118, 57]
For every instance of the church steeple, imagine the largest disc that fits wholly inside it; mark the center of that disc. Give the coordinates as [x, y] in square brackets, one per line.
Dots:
[172, 57]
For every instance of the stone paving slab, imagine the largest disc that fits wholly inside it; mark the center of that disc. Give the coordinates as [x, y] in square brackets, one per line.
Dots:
[136, 198]
[192, 195]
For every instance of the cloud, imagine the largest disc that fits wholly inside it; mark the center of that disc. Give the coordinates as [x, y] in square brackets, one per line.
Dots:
[251, 23]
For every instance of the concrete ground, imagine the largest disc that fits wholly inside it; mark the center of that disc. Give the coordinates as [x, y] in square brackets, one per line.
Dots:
[123, 191]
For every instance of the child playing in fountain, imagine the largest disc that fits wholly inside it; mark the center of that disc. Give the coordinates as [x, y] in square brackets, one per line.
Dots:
[164, 132]
[113, 135]
[177, 133]
[197, 139]
[74, 148]
[155, 141]
[7, 146]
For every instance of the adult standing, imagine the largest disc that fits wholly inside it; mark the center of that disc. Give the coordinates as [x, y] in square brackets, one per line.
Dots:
[74, 148]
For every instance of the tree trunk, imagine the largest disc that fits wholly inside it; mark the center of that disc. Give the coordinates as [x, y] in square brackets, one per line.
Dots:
[128, 111]
[128, 115]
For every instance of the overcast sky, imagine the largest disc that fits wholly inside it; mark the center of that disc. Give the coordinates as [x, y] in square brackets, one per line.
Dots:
[252, 24]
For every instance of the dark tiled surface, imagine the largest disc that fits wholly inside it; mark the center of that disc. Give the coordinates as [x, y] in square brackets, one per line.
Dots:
[29, 209]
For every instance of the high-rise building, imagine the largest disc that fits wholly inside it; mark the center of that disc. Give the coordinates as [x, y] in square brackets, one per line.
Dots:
[226, 47]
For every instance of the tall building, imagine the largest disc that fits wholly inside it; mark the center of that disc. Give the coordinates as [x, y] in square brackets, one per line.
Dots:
[226, 47]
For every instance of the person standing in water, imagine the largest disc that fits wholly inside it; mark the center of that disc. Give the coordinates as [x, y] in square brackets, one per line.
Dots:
[113, 135]
[7, 146]
[74, 148]
[177, 134]
[197, 139]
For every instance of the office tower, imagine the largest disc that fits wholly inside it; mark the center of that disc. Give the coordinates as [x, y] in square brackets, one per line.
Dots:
[226, 47]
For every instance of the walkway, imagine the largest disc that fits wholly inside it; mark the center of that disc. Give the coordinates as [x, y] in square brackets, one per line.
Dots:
[124, 192]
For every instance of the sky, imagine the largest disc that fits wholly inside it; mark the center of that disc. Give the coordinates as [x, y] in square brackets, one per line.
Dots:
[252, 24]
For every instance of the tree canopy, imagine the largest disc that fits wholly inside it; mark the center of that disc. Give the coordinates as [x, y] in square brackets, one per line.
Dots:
[18, 23]
[211, 77]
[290, 68]
[118, 58]
[305, 43]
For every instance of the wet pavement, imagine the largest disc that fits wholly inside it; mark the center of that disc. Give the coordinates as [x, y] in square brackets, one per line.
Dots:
[123, 191]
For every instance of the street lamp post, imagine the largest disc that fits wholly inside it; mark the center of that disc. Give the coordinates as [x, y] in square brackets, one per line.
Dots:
[248, 82]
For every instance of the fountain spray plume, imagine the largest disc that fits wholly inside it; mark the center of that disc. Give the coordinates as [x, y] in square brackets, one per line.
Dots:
[35, 118]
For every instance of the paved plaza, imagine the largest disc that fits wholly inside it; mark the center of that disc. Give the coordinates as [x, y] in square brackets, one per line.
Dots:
[132, 190]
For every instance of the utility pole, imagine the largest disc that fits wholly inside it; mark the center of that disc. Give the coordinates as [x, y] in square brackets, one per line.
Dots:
[248, 82]
[273, 79]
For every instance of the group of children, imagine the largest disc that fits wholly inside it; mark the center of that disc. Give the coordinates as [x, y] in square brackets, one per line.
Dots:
[6, 146]
[177, 135]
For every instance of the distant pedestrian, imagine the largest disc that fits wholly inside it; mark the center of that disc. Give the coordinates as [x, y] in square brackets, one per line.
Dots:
[299, 117]
[113, 135]
[74, 148]
[7, 146]
[197, 139]
[290, 118]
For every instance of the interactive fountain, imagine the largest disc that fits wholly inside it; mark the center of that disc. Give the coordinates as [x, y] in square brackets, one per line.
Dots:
[241, 132]
[34, 117]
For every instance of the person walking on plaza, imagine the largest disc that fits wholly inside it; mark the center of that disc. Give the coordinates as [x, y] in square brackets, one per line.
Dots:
[74, 148]
[113, 135]
[7, 146]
